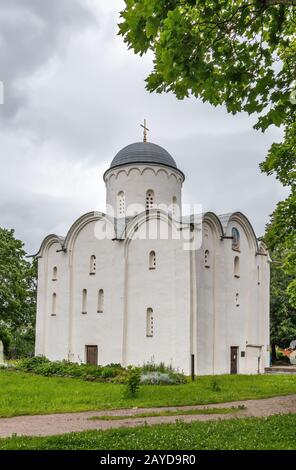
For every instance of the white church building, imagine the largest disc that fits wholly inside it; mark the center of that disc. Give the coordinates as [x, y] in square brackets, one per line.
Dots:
[142, 283]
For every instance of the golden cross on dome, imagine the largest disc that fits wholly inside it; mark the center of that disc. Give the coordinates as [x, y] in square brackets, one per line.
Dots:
[145, 131]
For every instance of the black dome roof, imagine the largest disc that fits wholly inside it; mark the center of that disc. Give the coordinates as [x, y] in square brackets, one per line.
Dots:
[143, 152]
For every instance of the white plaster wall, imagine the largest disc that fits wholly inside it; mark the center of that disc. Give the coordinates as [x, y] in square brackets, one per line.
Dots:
[52, 338]
[166, 291]
[93, 328]
[41, 311]
[206, 303]
[194, 307]
[264, 290]
[136, 181]
[220, 322]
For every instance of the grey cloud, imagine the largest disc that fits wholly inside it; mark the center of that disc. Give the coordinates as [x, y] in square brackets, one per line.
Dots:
[34, 218]
[30, 34]
[223, 174]
[76, 95]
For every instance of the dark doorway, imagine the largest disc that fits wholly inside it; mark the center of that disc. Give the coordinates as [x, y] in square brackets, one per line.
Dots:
[92, 355]
[233, 359]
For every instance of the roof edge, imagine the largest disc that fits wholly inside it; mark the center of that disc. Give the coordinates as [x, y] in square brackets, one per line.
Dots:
[145, 163]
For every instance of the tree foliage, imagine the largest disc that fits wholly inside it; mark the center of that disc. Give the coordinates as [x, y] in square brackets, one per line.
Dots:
[240, 53]
[281, 158]
[281, 231]
[282, 313]
[17, 293]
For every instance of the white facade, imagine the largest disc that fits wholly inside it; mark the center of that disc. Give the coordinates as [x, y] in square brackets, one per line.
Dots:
[140, 294]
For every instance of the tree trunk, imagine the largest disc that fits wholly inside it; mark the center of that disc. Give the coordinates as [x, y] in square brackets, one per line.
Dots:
[273, 352]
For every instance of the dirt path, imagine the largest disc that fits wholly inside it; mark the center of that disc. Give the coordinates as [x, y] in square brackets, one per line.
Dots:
[45, 425]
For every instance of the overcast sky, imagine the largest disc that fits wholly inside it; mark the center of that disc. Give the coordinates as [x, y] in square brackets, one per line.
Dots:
[74, 95]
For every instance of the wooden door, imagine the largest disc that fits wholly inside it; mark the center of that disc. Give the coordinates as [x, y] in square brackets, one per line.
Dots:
[233, 359]
[92, 355]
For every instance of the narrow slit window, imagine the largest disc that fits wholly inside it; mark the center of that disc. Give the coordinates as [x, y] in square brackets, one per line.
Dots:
[54, 273]
[207, 259]
[149, 199]
[121, 204]
[84, 301]
[93, 265]
[236, 267]
[149, 323]
[258, 276]
[101, 301]
[54, 305]
[174, 207]
[152, 260]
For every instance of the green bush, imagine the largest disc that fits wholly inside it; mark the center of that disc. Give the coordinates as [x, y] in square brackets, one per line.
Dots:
[160, 374]
[133, 381]
[215, 386]
[109, 372]
[42, 366]
[162, 378]
[30, 364]
[22, 344]
[161, 367]
[148, 374]
[6, 339]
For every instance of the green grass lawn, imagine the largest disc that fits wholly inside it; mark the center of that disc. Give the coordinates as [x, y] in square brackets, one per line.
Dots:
[147, 414]
[275, 432]
[23, 393]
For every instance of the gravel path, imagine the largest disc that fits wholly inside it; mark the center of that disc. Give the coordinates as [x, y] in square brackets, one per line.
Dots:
[45, 425]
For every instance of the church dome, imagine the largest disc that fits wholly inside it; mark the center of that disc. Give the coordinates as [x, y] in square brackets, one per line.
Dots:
[143, 152]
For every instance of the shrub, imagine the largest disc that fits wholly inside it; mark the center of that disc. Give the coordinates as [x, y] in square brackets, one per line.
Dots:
[30, 364]
[133, 381]
[6, 338]
[121, 377]
[148, 374]
[109, 372]
[160, 374]
[215, 386]
[89, 378]
[42, 366]
[23, 343]
[161, 367]
[159, 378]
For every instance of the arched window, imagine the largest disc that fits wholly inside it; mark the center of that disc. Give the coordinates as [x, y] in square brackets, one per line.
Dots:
[152, 260]
[101, 301]
[207, 259]
[54, 305]
[93, 265]
[120, 204]
[236, 267]
[149, 199]
[235, 239]
[149, 322]
[237, 299]
[54, 273]
[84, 301]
